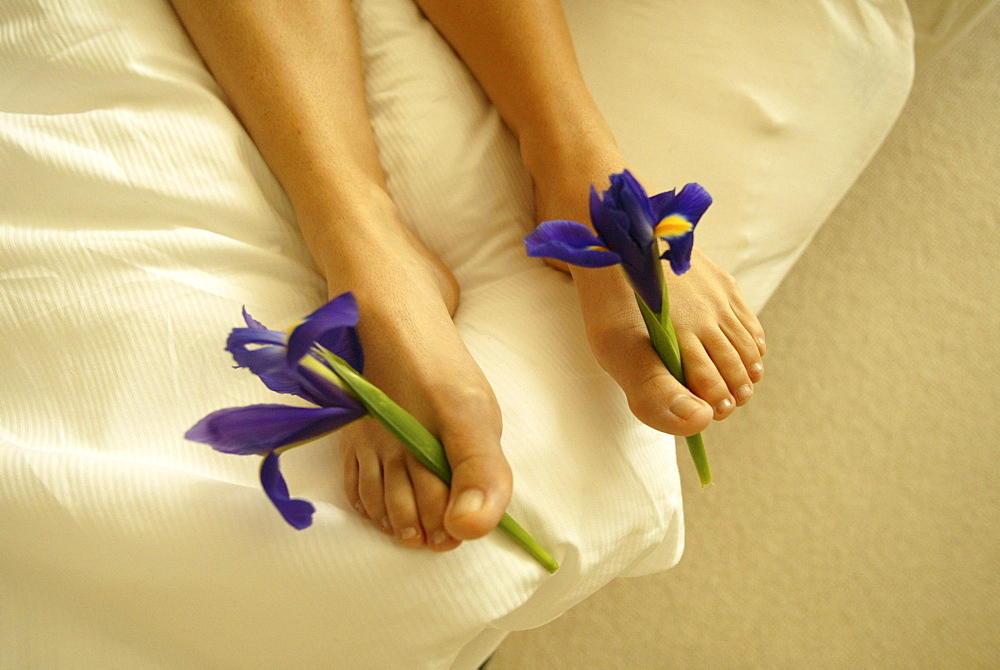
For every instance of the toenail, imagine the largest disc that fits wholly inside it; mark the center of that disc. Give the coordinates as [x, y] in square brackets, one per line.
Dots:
[357, 506]
[469, 501]
[385, 523]
[762, 343]
[684, 406]
[756, 368]
[407, 534]
[744, 392]
[724, 405]
[439, 537]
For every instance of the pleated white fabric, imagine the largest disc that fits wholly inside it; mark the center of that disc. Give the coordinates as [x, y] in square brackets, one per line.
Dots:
[137, 218]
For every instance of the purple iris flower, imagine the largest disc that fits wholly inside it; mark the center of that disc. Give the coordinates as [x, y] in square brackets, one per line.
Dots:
[287, 364]
[628, 222]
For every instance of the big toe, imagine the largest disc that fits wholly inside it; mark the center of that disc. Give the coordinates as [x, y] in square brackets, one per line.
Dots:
[480, 490]
[660, 401]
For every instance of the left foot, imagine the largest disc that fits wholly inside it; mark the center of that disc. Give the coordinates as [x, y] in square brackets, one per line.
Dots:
[413, 352]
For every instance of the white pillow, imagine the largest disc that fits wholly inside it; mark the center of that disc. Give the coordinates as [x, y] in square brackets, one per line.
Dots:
[137, 218]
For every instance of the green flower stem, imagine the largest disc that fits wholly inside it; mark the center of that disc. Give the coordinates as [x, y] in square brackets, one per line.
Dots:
[419, 441]
[661, 333]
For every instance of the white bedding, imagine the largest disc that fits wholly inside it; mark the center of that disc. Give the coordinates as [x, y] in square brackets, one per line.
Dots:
[137, 218]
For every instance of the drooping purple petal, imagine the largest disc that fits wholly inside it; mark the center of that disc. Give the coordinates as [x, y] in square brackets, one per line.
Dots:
[570, 242]
[690, 204]
[297, 512]
[258, 429]
[332, 326]
[679, 253]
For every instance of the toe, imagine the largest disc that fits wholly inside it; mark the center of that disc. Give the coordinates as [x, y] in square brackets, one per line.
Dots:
[431, 496]
[660, 401]
[481, 477]
[749, 350]
[705, 365]
[750, 325]
[400, 503]
[620, 342]
[349, 461]
[371, 491]
[480, 493]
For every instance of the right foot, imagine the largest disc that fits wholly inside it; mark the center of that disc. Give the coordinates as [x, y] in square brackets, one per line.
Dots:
[721, 340]
[413, 352]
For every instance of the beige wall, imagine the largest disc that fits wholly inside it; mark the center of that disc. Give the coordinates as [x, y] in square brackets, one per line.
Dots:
[854, 518]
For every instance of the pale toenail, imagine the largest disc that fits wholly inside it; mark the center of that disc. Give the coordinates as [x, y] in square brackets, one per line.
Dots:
[439, 537]
[756, 368]
[684, 406]
[385, 523]
[762, 343]
[469, 501]
[407, 534]
[744, 392]
[724, 405]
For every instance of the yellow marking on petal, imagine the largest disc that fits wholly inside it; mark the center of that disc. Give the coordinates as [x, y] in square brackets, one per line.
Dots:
[672, 226]
[323, 371]
[595, 247]
[288, 333]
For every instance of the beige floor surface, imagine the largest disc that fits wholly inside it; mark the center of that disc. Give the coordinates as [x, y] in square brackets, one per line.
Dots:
[854, 519]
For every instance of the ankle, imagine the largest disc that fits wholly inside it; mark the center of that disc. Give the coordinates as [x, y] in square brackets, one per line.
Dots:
[359, 243]
[564, 164]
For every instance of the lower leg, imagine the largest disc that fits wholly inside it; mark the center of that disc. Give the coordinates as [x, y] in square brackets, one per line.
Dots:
[292, 71]
[529, 70]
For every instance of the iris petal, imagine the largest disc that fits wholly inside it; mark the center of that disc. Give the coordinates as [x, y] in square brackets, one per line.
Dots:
[616, 228]
[662, 204]
[269, 361]
[325, 392]
[297, 512]
[258, 429]
[570, 242]
[252, 322]
[631, 197]
[240, 338]
[626, 228]
[679, 253]
[629, 239]
[332, 326]
[690, 203]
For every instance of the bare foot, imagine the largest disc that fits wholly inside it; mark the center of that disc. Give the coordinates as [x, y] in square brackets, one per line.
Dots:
[721, 340]
[414, 354]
